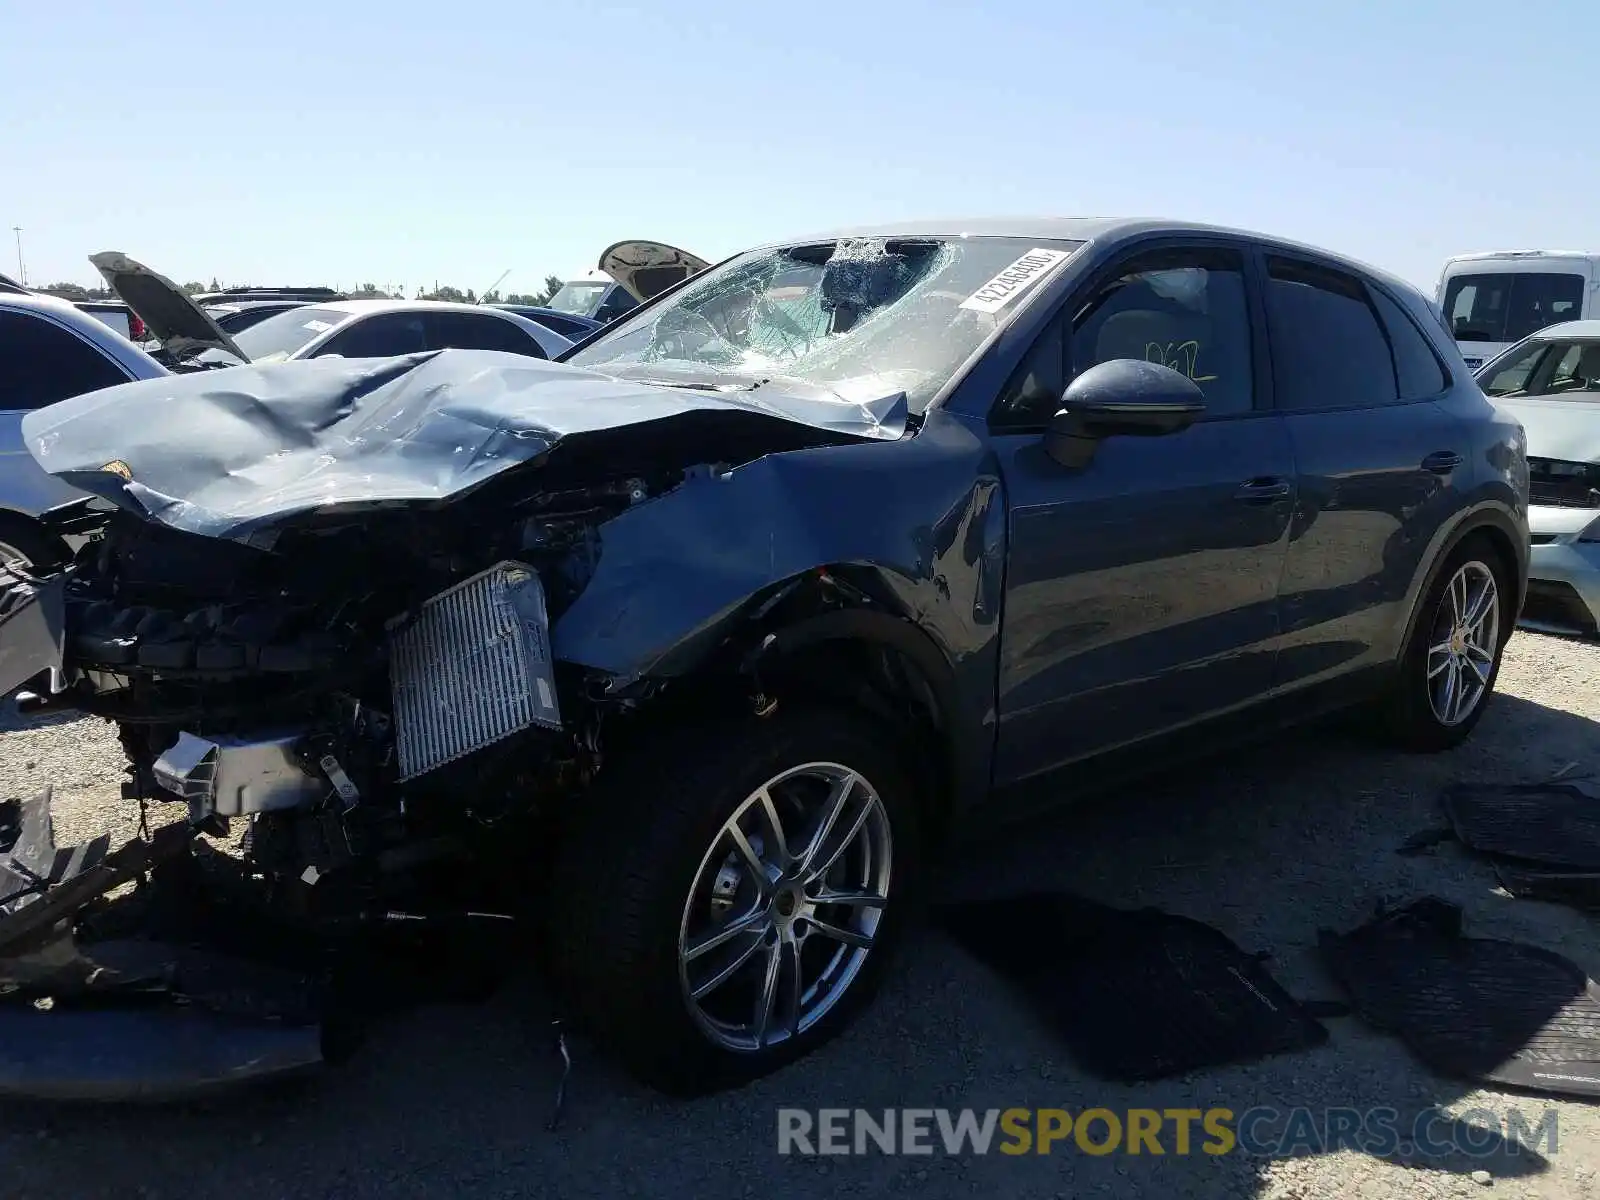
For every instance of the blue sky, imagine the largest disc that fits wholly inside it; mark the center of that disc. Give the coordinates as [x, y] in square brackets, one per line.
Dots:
[400, 142]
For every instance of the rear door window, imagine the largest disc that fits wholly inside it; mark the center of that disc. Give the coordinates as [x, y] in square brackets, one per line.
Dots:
[1506, 306]
[379, 336]
[1329, 349]
[474, 331]
[40, 363]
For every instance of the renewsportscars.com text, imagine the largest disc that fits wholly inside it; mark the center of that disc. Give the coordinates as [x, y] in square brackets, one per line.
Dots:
[1259, 1131]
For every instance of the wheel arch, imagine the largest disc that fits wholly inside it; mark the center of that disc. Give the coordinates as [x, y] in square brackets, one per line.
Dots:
[1491, 522]
[898, 672]
[844, 647]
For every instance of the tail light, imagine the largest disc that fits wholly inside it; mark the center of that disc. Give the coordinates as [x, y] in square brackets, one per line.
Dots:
[136, 329]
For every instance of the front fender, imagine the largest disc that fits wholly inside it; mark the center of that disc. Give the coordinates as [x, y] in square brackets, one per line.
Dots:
[918, 521]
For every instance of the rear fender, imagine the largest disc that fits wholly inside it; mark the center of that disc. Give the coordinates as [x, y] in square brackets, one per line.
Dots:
[1488, 517]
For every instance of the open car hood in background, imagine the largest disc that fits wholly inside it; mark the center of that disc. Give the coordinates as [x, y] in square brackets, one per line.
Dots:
[233, 452]
[181, 326]
[646, 269]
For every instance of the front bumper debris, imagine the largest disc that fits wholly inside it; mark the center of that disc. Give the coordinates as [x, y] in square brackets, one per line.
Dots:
[144, 1054]
[88, 1015]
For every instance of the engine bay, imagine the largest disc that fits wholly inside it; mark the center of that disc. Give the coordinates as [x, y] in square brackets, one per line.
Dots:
[357, 690]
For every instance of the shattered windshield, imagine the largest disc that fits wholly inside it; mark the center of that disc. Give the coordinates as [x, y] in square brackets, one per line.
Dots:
[875, 314]
[579, 299]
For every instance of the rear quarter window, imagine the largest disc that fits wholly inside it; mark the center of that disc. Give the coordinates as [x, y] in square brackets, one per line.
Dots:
[1417, 366]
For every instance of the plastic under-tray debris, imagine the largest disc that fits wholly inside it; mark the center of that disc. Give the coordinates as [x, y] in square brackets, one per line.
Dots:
[1478, 1009]
[1136, 995]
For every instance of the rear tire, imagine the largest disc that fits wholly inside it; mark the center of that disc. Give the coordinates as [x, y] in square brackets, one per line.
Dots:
[679, 921]
[1446, 674]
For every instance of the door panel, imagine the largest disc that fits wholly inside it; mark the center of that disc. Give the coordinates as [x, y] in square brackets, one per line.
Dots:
[1367, 508]
[1375, 459]
[1141, 592]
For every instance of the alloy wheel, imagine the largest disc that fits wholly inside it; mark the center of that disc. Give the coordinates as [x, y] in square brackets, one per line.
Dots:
[785, 906]
[1464, 641]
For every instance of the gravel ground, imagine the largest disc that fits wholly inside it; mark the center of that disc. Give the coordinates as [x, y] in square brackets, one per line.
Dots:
[1268, 846]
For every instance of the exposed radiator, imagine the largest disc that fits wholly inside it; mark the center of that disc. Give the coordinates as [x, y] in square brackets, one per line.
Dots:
[471, 667]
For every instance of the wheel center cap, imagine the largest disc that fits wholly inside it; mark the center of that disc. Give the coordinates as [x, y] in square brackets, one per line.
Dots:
[785, 903]
[1458, 641]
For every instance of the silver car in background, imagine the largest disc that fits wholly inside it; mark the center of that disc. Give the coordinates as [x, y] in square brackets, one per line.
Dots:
[1550, 381]
[50, 349]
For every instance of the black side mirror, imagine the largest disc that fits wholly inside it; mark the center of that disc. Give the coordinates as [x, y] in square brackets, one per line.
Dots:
[1125, 397]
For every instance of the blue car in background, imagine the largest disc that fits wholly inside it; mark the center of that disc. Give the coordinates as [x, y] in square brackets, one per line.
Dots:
[569, 325]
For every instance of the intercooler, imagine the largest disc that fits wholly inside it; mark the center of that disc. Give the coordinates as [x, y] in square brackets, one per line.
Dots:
[470, 667]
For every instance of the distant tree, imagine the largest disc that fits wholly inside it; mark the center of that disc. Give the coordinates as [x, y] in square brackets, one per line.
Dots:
[552, 285]
[444, 293]
[68, 291]
[194, 286]
[492, 296]
[215, 286]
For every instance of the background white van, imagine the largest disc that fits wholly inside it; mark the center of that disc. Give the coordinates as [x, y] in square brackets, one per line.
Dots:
[1491, 301]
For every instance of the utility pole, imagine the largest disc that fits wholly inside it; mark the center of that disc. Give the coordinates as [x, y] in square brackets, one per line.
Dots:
[22, 271]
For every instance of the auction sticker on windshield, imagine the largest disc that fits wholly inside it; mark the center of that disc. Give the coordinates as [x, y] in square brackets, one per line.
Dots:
[1014, 280]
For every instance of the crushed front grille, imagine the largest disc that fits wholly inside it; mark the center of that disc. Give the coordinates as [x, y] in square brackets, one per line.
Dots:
[471, 667]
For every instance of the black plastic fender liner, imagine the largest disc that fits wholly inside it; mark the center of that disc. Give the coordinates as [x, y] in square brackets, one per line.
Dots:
[152, 1054]
[32, 627]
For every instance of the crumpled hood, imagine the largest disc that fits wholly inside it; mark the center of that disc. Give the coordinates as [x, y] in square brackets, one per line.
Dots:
[229, 453]
[1556, 428]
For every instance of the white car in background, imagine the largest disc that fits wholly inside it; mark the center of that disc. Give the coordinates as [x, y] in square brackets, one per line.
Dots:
[190, 337]
[1550, 381]
[50, 349]
[1492, 301]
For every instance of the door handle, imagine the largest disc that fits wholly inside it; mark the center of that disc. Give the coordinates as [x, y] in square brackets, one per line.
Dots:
[1264, 490]
[1442, 462]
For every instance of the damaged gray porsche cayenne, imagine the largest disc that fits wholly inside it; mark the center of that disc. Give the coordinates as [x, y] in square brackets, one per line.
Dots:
[703, 642]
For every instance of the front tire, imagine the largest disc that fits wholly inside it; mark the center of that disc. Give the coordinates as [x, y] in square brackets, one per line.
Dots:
[1448, 670]
[728, 900]
[25, 543]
